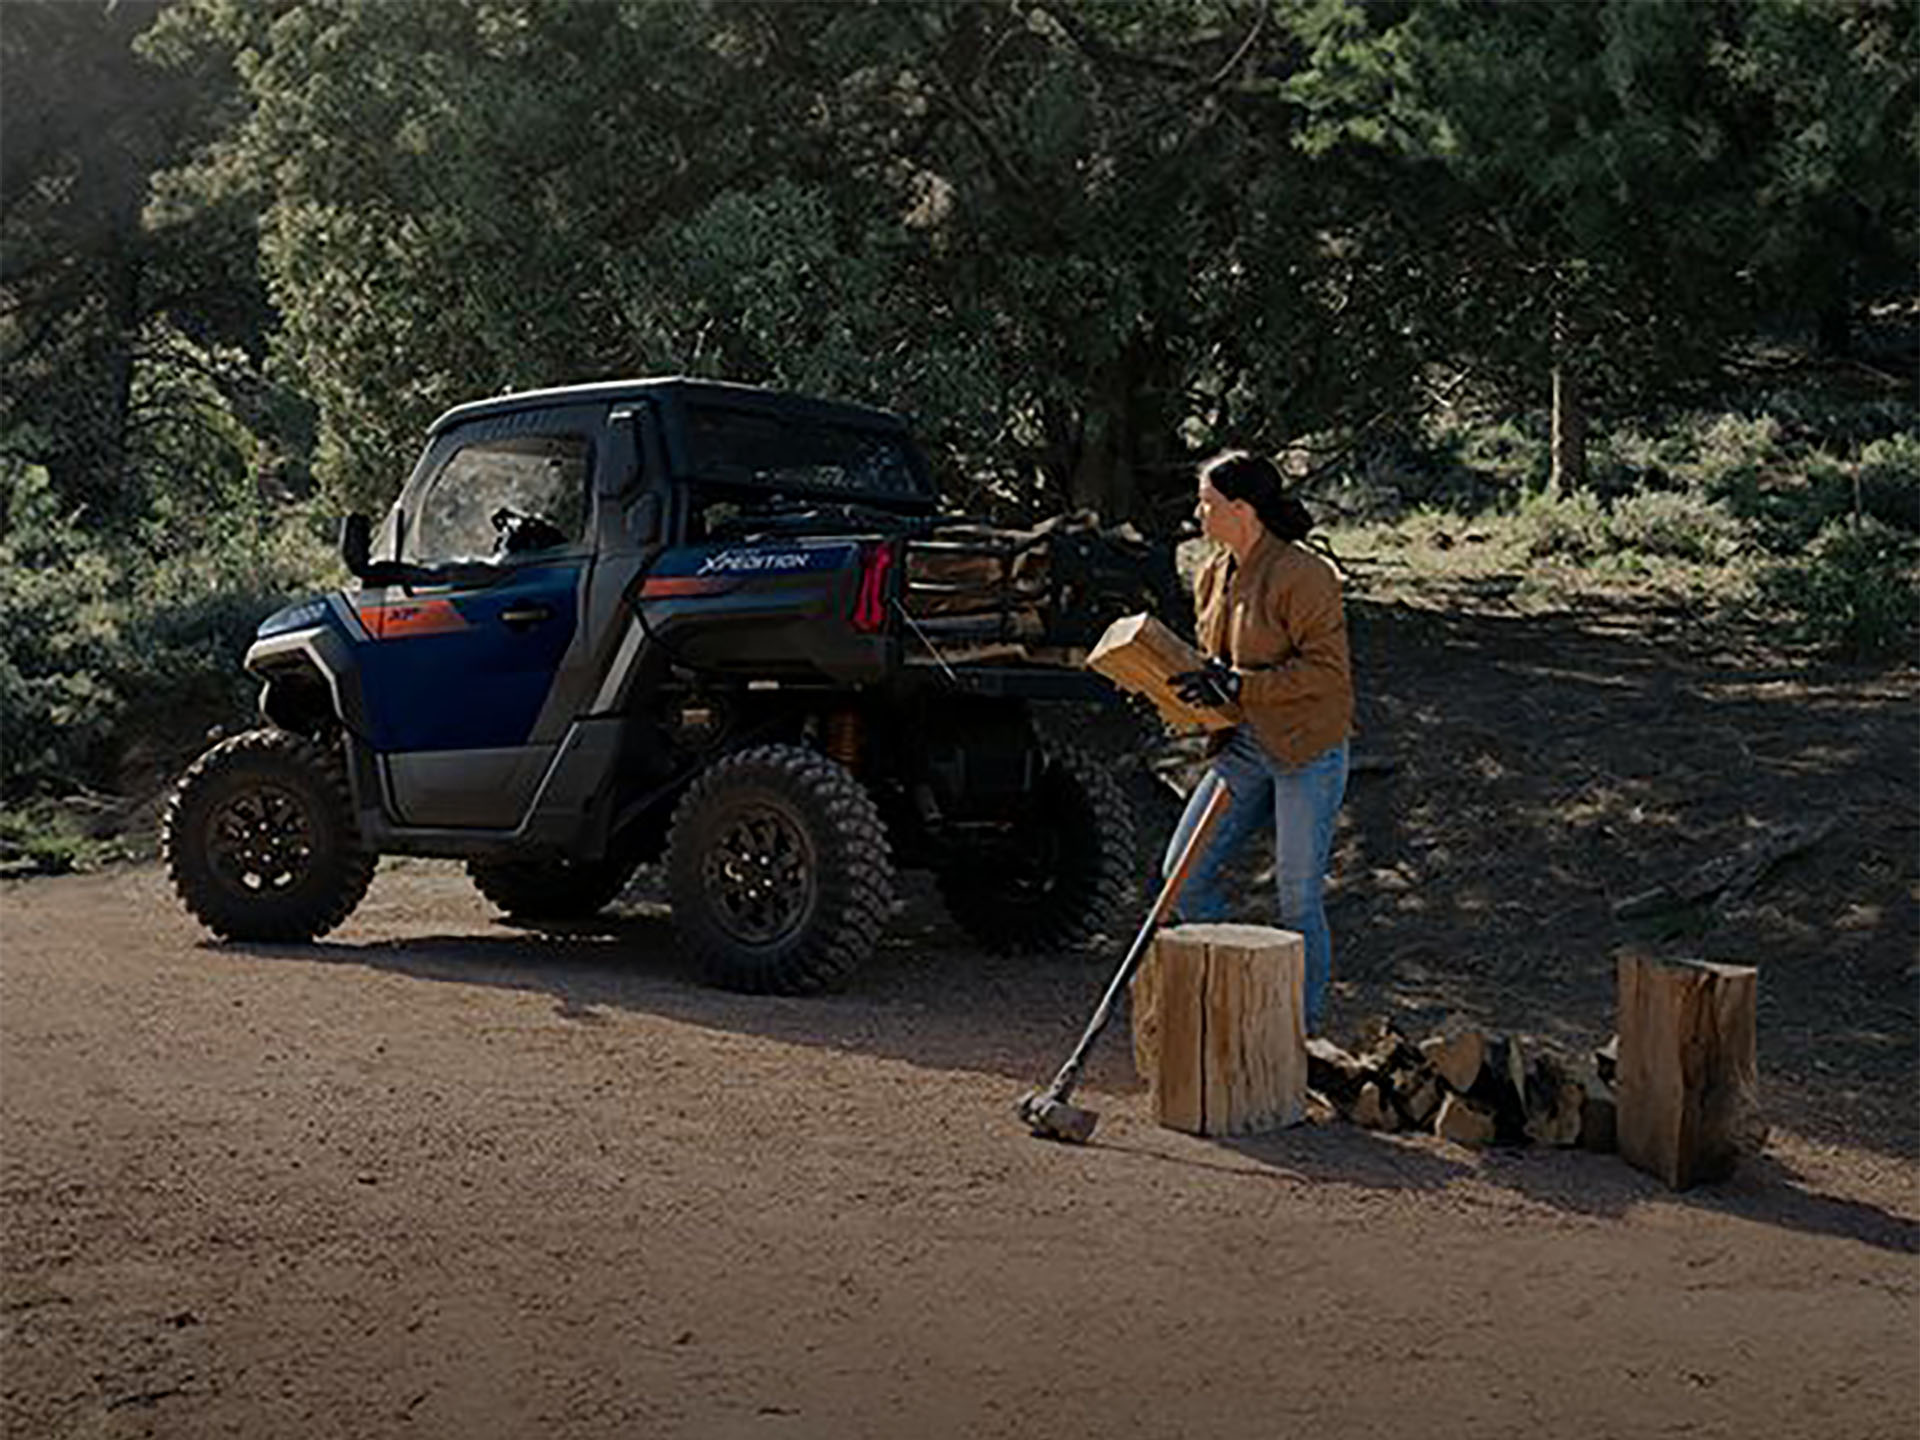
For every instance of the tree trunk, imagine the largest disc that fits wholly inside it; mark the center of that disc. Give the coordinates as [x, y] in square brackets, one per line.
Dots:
[1102, 478]
[1569, 472]
[1124, 440]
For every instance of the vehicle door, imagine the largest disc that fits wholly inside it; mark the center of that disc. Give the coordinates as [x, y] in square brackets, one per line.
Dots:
[456, 676]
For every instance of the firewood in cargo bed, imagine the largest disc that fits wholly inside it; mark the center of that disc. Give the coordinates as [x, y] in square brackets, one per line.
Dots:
[972, 577]
[1057, 583]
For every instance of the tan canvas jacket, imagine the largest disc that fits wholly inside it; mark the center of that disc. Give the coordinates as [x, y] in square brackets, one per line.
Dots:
[1279, 621]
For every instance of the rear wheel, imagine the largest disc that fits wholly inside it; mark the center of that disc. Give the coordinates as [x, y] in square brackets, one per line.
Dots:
[260, 841]
[1058, 873]
[551, 889]
[779, 871]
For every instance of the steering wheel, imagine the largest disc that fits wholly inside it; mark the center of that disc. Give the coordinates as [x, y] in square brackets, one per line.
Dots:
[519, 533]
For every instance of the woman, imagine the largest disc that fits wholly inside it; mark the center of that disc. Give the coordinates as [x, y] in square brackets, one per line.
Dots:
[1275, 634]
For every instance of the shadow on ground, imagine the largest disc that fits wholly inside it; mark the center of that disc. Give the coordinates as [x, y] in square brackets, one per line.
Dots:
[931, 1003]
[1526, 773]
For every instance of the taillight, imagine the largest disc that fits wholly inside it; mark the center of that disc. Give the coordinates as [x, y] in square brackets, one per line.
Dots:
[870, 605]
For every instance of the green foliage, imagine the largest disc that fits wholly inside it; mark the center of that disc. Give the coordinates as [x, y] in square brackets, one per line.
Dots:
[1785, 472]
[127, 325]
[1512, 455]
[246, 249]
[102, 642]
[1057, 234]
[1708, 488]
[1574, 526]
[47, 838]
[1889, 481]
[1621, 188]
[1681, 524]
[1855, 592]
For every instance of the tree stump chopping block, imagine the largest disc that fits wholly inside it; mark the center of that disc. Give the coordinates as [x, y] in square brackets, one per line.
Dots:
[1687, 1086]
[1219, 1028]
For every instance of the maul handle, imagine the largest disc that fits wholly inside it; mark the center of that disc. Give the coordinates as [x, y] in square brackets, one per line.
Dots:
[1217, 805]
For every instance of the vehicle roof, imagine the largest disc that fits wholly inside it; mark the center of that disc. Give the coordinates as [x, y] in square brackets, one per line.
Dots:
[677, 387]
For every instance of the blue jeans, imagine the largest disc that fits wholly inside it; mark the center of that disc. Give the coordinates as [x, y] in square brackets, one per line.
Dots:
[1300, 802]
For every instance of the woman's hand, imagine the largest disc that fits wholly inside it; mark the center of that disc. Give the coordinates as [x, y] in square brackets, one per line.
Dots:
[1216, 686]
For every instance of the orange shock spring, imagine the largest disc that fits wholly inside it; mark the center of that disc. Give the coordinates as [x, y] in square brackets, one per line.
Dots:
[842, 738]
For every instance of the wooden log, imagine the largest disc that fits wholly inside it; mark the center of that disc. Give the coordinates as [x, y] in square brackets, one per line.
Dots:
[1554, 1102]
[1371, 1112]
[1141, 655]
[1256, 1061]
[1606, 1061]
[1169, 1029]
[1516, 1076]
[1456, 1057]
[1501, 1090]
[1420, 1103]
[1687, 1087]
[1727, 879]
[1463, 1122]
[1333, 1072]
[1387, 1050]
[1599, 1130]
[1219, 1028]
[1557, 1120]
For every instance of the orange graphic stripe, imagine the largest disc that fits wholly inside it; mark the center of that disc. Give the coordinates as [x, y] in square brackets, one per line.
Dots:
[668, 585]
[410, 618]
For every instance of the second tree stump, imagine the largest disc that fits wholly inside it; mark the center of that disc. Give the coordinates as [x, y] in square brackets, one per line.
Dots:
[1688, 1078]
[1219, 1030]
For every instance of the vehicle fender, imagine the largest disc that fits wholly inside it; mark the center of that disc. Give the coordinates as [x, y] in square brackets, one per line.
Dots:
[297, 668]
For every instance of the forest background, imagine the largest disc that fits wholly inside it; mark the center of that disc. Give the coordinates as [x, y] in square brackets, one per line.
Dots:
[1625, 291]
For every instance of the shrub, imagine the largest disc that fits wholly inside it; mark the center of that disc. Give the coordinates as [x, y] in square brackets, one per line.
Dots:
[1574, 526]
[1889, 480]
[1733, 447]
[1622, 459]
[46, 839]
[101, 640]
[1854, 591]
[1582, 526]
[1682, 524]
[1507, 452]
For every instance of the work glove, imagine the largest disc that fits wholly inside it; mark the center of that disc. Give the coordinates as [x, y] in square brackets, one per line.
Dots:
[1216, 686]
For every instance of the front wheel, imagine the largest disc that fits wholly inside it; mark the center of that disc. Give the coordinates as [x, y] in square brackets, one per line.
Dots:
[1060, 870]
[779, 871]
[260, 841]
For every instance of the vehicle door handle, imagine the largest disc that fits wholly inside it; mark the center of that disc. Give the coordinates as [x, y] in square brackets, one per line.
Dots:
[522, 616]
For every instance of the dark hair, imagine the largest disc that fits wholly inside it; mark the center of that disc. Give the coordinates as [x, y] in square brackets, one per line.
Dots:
[1242, 475]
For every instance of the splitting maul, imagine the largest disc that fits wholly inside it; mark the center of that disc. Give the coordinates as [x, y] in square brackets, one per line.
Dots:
[1049, 1113]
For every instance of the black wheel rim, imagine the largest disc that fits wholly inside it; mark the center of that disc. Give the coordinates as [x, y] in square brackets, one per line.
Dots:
[759, 875]
[261, 840]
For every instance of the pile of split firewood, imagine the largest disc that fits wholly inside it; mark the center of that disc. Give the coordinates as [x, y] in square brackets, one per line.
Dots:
[1465, 1085]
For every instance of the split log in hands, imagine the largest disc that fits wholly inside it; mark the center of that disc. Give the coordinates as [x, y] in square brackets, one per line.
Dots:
[1142, 656]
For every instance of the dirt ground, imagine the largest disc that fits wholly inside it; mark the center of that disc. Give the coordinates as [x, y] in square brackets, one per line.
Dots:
[439, 1175]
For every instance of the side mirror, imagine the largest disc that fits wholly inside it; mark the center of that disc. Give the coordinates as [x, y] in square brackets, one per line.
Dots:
[356, 544]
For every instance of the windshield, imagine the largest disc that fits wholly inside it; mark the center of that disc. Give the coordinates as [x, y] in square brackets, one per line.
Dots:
[794, 454]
